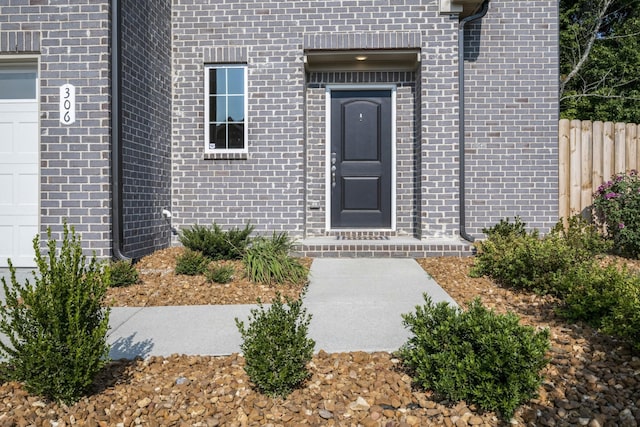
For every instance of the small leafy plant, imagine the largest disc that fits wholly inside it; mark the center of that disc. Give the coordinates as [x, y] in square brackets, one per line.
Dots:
[519, 259]
[505, 228]
[276, 347]
[582, 236]
[268, 261]
[475, 355]
[123, 273]
[57, 326]
[607, 298]
[191, 263]
[617, 207]
[216, 244]
[219, 274]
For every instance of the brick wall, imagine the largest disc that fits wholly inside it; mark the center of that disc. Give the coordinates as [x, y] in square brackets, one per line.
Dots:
[512, 114]
[71, 40]
[270, 186]
[146, 124]
[511, 69]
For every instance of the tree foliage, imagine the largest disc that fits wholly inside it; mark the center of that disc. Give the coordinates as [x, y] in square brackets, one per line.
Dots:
[600, 60]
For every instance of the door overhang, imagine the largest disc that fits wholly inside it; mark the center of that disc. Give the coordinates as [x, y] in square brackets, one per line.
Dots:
[362, 60]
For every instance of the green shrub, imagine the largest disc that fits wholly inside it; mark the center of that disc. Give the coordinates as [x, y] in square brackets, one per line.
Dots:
[592, 292]
[123, 273]
[583, 236]
[616, 205]
[216, 244]
[624, 319]
[56, 327]
[275, 346]
[607, 298]
[507, 229]
[268, 261]
[475, 355]
[191, 263]
[528, 261]
[219, 274]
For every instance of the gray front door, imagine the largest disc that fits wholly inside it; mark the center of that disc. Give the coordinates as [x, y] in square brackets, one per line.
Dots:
[360, 159]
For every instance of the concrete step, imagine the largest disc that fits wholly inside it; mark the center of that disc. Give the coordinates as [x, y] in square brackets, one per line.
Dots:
[381, 247]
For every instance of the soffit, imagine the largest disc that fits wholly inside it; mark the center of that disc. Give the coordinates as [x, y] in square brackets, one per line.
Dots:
[362, 60]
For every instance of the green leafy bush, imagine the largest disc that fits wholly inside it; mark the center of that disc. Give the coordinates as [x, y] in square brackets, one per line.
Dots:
[276, 347]
[123, 273]
[524, 261]
[624, 319]
[507, 229]
[216, 244]
[616, 204]
[56, 327]
[607, 298]
[219, 274]
[592, 292]
[475, 355]
[528, 261]
[191, 263]
[268, 261]
[583, 236]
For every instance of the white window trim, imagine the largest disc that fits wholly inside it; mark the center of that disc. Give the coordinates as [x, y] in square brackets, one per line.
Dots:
[363, 87]
[226, 151]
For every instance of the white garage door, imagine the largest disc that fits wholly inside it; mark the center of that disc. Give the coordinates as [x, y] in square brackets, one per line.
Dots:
[19, 189]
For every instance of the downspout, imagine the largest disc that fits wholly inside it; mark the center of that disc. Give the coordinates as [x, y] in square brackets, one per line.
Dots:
[461, 127]
[116, 136]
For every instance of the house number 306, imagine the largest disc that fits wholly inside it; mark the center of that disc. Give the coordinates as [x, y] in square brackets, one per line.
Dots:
[67, 104]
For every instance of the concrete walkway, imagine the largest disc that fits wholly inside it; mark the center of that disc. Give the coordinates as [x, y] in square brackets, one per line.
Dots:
[356, 304]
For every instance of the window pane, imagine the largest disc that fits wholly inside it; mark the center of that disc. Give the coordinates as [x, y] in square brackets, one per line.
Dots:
[221, 81]
[219, 135]
[18, 85]
[235, 80]
[213, 81]
[236, 109]
[236, 136]
[217, 109]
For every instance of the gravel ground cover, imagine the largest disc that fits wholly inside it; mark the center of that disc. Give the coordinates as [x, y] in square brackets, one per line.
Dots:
[592, 380]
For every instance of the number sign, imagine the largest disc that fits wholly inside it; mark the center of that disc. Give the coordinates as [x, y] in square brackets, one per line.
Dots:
[67, 104]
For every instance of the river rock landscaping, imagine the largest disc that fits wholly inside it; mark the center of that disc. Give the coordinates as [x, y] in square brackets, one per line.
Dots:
[592, 379]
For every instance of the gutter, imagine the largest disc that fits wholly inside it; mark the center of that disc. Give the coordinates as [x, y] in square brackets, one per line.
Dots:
[117, 231]
[461, 127]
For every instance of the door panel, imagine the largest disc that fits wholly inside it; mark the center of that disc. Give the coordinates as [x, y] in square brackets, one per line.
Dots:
[361, 159]
[19, 181]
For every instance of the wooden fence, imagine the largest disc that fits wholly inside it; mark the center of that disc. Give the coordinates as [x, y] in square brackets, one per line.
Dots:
[590, 153]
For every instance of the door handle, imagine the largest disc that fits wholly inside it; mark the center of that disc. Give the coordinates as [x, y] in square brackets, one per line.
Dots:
[333, 169]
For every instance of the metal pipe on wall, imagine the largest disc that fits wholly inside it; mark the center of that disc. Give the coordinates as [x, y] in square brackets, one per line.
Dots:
[461, 127]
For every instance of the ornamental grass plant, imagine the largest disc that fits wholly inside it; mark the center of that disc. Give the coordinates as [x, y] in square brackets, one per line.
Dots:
[267, 261]
[215, 243]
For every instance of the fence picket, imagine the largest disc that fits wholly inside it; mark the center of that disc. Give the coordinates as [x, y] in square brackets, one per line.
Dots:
[590, 153]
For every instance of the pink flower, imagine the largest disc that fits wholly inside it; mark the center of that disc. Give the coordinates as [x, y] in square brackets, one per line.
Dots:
[621, 226]
[611, 195]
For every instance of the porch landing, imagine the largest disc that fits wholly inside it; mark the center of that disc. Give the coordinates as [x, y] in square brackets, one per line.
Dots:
[388, 247]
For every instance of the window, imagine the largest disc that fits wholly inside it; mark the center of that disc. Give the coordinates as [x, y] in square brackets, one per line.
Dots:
[225, 108]
[18, 81]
